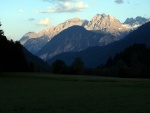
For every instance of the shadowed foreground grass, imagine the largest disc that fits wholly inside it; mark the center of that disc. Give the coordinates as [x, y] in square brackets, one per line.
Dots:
[43, 93]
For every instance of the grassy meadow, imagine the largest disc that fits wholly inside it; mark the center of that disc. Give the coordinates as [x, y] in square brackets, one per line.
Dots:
[47, 93]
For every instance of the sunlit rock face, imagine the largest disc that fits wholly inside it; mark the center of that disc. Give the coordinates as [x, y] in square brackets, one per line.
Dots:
[28, 36]
[107, 24]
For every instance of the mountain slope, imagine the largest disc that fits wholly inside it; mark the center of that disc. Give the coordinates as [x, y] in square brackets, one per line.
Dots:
[27, 36]
[35, 44]
[37, 62]
[95, 56]
[75, 38]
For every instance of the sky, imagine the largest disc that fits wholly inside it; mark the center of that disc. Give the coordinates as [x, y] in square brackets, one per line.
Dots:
[19, 17]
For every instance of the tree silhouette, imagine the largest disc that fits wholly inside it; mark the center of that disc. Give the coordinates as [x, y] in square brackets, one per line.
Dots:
[1, 31]
[59, 67]
[77, 66]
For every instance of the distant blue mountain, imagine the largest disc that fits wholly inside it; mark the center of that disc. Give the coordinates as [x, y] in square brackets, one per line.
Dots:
[35, 44]
[136, 21]
[96, 56]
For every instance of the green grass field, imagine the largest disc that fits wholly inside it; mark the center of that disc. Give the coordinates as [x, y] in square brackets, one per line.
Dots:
[44, 93]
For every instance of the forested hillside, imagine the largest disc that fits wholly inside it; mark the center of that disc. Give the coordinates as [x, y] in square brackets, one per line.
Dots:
[134, 61]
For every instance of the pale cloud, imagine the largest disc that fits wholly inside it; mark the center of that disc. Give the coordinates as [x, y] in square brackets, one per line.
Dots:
[81, 5]
[44, 22]
[119, 1]
[66, 7]
[21, 11]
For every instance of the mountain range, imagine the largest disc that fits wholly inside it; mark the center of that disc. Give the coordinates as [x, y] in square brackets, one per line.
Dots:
[136, 21]
[100, 23]
[77, 35]
[96, 56]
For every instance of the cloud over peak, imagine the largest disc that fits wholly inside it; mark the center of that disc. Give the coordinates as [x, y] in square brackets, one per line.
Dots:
[44, 22]
[81, 5]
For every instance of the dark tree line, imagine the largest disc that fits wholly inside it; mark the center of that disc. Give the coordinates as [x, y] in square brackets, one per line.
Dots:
[77, 67]
[133, 62]
[12, 58]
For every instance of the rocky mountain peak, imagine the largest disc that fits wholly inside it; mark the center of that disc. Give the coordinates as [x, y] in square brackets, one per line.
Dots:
[99, 16]
[46, 31]
[136, 21]
[106, 24]
[103, 17]
[28, 36]
[76, 19]
[31, 34]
